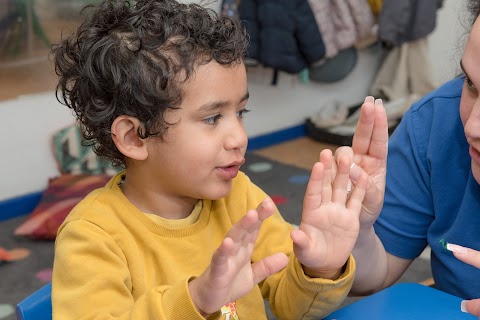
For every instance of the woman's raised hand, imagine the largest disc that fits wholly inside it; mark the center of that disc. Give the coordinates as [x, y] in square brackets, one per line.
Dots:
[369, 152]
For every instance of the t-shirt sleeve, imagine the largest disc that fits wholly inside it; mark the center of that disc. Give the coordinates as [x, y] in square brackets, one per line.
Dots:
[408, 207]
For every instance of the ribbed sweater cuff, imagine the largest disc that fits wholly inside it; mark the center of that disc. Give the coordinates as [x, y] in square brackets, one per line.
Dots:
[321, 284]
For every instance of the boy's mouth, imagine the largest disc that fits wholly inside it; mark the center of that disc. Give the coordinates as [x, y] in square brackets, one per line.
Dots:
[229, 172]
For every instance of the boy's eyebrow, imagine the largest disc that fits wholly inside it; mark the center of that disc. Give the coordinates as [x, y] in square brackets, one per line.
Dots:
[220, 104]
[463, 69]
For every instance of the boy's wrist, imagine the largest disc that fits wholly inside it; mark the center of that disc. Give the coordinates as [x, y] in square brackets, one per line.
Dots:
[333, 274]
[324, 274]
[195, 298]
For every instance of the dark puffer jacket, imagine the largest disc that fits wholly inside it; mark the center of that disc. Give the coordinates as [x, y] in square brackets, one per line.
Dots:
[283, 33]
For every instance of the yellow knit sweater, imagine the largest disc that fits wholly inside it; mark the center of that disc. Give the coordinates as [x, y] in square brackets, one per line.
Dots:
[113, 261]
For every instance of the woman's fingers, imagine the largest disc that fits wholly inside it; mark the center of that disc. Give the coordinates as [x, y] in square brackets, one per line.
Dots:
[379, 139]
[364, 129]
[371, 133]
[467, 255]
[471, 306]
[472, 257]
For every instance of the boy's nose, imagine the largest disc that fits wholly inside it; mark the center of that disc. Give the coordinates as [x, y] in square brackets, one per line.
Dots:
[236, 137]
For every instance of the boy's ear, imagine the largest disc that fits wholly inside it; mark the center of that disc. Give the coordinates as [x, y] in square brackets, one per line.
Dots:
[125, 136]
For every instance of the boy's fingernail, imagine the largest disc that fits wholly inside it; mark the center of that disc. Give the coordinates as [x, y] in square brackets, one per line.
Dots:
[378, 101]
[463, 306]
[355, 172]
[265, 202]
[456, 248]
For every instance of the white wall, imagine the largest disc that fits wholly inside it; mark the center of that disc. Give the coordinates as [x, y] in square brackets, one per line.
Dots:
[27, 123]
[446, 42]
[290, 102]
[26, 126]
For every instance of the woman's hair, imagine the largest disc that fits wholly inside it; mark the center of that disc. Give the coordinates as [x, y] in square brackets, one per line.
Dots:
[466, 19]
[473, 7]
[131, 59]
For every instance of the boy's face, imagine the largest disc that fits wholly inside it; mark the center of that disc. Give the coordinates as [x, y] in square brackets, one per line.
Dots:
[202, 152]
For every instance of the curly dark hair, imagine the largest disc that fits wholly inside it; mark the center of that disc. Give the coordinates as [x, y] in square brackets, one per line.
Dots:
[131, 59]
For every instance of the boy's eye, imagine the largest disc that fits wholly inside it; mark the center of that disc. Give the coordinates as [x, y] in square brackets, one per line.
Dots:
[212, 120]
[242, 112]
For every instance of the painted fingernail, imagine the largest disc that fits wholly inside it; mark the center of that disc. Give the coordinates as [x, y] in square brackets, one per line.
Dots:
[369, 99]
[456, 248]
[463, 306]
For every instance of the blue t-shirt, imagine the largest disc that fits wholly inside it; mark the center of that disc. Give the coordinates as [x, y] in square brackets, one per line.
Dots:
[431, 195]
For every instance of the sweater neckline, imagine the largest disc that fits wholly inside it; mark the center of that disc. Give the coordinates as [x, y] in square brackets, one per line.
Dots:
[154, 226]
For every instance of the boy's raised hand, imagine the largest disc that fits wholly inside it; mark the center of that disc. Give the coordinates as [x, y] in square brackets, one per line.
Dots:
[231, 274]
[330, 219]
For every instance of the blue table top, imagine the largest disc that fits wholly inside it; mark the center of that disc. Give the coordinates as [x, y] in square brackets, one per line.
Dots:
[404, 301]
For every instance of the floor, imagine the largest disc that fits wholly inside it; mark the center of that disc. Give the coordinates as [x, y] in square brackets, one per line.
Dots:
[301, 152]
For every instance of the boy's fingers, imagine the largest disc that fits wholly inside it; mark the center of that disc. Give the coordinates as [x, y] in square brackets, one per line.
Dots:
[341, 181]
[240, 229]
[313, 193]
[268, 266]
[220, 256]
[343, 152]
[372, 194]
[299, 239]
[265, 209]
[326, 158]
[358, 194]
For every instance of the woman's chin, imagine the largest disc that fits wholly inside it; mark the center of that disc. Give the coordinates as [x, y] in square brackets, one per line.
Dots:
[476, 171]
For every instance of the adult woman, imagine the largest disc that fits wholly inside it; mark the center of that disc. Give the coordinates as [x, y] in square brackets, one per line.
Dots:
[431, 195]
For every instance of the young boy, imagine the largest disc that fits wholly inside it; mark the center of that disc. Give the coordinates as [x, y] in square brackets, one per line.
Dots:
[160, 88]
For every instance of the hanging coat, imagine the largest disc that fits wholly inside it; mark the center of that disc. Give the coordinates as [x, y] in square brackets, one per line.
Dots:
[283, 33]
[402, 21]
